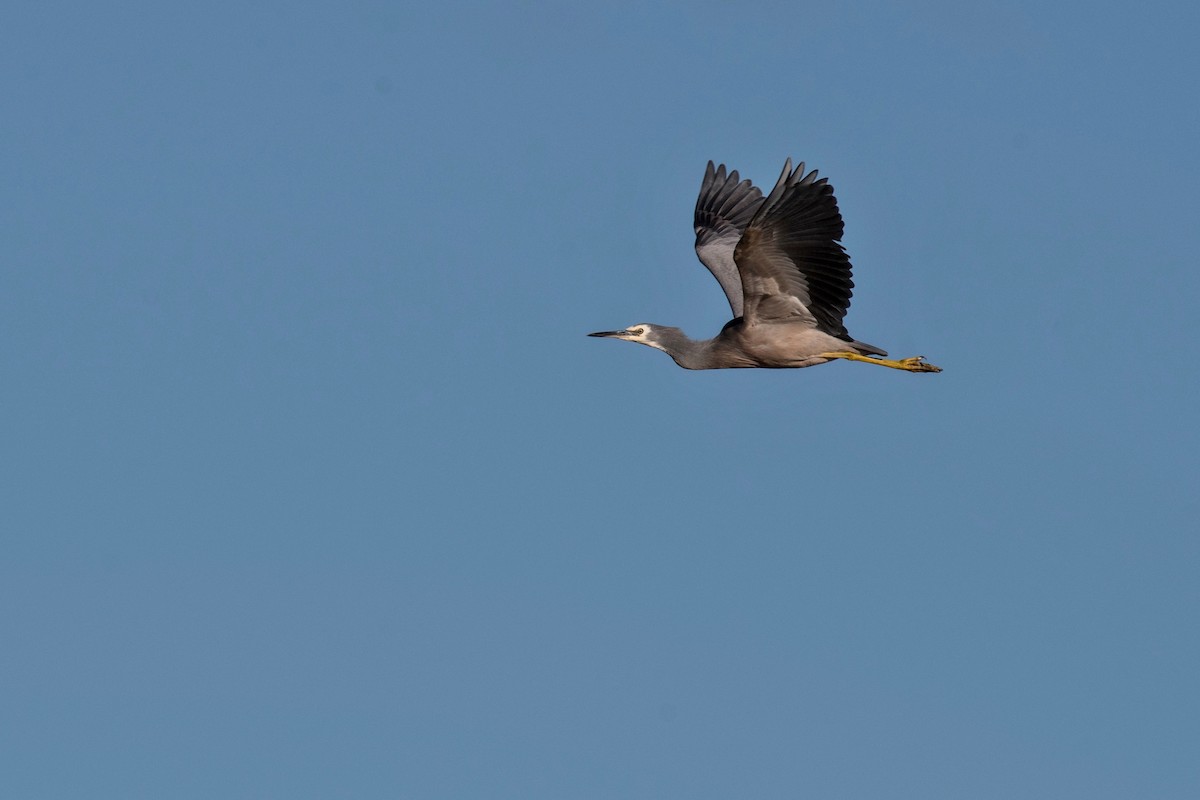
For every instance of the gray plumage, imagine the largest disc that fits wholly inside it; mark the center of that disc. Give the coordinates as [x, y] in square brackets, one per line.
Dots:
[723, 210]
[780, 262]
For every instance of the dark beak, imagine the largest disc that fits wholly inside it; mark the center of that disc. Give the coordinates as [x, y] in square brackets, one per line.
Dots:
[608, 333]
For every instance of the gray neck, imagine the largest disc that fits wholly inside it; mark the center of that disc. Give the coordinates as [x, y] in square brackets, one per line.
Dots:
[688, 353]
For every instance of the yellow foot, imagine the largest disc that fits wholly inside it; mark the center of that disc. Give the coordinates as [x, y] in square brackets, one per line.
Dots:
[917, 364]
[914, 364]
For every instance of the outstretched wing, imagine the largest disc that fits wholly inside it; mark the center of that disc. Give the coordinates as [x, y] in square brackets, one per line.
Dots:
[792, 264]
[725, 206]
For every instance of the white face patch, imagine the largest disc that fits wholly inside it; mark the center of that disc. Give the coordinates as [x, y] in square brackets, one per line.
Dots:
[640, 333]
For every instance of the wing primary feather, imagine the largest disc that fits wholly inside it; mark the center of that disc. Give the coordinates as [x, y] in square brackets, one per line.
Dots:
[725, 205]
[790, 257]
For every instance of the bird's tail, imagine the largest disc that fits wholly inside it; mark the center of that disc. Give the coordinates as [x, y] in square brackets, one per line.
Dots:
[868, 349]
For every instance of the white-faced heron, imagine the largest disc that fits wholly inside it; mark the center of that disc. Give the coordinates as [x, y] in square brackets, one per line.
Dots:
[783, 268]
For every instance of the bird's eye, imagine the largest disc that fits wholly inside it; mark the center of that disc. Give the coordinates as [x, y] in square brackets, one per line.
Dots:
[638, 331]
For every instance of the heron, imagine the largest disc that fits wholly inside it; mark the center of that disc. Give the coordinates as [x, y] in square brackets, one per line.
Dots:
[787, 277]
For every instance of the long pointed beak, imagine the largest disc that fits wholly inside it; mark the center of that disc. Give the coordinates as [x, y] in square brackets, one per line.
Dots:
[609, 333]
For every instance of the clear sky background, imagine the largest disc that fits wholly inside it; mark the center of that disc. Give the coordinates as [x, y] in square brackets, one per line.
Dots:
[312, 485]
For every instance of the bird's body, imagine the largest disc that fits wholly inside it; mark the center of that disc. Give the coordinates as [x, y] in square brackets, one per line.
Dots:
[784, 271]
[782, 346]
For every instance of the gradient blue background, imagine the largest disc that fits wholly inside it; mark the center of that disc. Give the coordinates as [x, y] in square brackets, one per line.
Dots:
[312, 485]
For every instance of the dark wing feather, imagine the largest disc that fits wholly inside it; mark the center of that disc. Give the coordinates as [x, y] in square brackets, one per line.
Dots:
[791, 261]
[725, 206]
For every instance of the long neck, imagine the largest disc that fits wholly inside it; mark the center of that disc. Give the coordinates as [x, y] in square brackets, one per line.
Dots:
[688, 353]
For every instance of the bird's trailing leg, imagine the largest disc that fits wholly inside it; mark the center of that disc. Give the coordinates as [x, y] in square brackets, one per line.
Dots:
[914, 364]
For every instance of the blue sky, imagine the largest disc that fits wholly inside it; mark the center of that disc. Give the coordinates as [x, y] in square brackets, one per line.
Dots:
[313, 486]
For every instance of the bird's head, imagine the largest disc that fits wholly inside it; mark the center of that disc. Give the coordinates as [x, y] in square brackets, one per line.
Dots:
[642, 333]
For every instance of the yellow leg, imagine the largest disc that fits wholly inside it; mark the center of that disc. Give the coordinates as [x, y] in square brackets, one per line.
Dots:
[914, 364]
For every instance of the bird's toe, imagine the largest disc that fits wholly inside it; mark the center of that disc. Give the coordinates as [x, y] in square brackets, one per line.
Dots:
[919, 364]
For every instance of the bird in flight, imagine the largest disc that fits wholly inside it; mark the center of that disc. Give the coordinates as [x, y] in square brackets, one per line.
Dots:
[780, 261]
